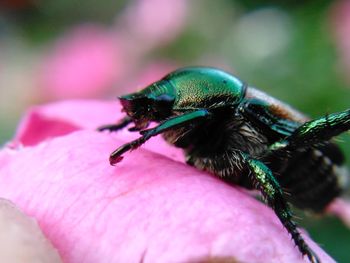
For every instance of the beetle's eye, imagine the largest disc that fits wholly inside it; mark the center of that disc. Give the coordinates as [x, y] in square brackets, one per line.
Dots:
[126, 103]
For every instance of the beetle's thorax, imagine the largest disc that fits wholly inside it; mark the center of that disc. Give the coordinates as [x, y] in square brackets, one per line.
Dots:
[207, 96]
[207, 88]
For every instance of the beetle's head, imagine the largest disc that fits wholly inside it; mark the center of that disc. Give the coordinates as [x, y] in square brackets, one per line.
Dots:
[153, 103]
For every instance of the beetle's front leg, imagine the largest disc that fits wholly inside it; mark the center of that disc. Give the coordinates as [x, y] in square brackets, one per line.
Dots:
[262, 178]
[117, 126]
[315, 131]
[168, 124]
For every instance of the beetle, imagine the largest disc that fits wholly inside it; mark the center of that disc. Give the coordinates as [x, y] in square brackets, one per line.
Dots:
[243, 136]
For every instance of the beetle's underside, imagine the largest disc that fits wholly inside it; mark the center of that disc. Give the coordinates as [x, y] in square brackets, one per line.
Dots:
[312, 176]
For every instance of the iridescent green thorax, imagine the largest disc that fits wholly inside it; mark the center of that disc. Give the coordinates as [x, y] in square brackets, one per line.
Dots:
[198, 87]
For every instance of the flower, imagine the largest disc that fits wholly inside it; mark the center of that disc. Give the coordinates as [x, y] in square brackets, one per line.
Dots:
[84, 63]
[340, 22]
[150, 207]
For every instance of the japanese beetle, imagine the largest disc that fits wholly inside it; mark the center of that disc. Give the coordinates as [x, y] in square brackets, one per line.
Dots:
[243, 136]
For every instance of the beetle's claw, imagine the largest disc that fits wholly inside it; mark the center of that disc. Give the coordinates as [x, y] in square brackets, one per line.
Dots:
[104, 128]
[313, 258]
[311, 255]
[132, 129]
[116, 156]
[113, 160]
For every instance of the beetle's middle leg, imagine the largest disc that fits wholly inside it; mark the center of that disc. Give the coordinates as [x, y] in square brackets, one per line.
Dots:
[315, 131]
[262, 178]
[171, 123]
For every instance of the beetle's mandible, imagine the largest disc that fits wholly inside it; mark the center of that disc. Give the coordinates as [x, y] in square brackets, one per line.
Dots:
[243, 136]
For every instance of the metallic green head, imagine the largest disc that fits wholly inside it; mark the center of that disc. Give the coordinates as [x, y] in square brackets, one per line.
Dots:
[183, 90]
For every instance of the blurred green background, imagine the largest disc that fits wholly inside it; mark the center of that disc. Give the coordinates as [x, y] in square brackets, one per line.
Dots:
[298, 51]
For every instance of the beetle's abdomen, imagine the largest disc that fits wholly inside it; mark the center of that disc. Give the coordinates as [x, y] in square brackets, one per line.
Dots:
[214, 146]
[311, 178]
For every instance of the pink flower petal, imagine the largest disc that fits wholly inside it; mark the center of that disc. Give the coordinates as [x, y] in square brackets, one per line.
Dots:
[340, 22]
[149, 207]
[341, 208]
[155, 22]
[84, 63]
[61, 118]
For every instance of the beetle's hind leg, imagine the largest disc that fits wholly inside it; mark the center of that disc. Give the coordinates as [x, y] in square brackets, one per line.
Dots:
[263, 180]
[117, 126]
[315, 131]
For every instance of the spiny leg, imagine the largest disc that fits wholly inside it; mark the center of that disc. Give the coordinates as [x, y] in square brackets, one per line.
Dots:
[315, 131]
[262, 178]
[171, 123]
[117, 126]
